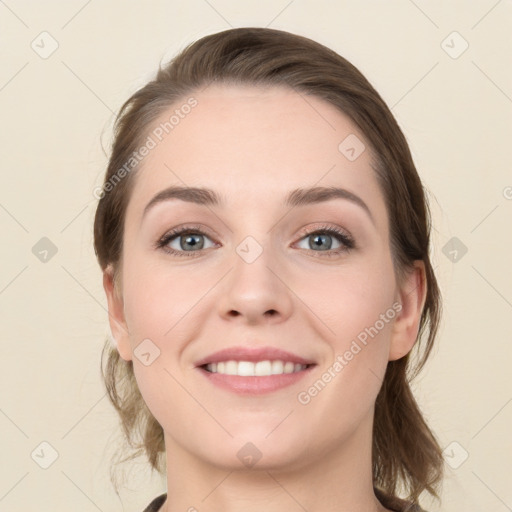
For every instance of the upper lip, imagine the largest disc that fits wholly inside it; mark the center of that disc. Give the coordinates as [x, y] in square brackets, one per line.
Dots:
[252, 354]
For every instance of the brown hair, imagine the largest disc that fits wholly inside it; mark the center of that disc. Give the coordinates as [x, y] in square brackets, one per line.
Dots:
[406, 455]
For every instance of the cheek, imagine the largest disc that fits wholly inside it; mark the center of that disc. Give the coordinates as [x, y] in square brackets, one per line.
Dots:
[350, 379]
[358, 307]
[157, 300]
[351, 298]
[159, 308]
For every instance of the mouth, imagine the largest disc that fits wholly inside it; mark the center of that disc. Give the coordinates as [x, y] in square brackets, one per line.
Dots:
[245, 370]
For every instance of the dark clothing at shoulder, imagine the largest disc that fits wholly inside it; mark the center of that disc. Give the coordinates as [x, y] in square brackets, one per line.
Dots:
[395, 504]
[155, 505]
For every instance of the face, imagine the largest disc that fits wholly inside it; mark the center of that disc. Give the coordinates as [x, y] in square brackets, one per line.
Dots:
[260, 272]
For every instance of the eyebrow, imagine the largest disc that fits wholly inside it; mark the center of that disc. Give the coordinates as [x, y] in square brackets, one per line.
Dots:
[298, 197]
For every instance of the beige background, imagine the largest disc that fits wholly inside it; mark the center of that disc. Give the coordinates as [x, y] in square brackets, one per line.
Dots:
[456, 111]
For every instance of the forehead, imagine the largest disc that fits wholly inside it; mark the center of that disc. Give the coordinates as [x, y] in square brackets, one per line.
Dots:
[253, 144]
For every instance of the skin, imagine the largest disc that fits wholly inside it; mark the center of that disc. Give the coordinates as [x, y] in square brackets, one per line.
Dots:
[253, 145]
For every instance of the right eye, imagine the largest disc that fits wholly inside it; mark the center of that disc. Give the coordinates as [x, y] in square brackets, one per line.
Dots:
[184, 240]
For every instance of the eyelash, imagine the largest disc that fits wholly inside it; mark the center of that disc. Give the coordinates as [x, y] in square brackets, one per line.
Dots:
[346, 240]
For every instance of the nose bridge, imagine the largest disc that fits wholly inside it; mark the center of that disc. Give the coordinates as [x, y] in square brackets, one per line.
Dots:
[254, 288]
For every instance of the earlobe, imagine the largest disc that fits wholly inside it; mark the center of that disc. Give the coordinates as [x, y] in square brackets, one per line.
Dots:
[116, 316]
[412, 296]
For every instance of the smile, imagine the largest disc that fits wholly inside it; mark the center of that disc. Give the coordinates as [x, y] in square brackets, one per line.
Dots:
[255, 369]
[254, 378]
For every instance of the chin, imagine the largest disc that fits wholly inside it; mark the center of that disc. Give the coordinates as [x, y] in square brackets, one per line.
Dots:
[255, 449]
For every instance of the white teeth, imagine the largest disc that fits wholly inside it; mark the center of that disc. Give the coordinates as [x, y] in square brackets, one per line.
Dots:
[259, 369]
[263, 368]
[245, 368]
[277, 367]
[231, 368]
[289, 367]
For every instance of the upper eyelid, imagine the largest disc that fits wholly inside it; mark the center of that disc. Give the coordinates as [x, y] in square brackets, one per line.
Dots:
[180, 230]
[306, 231]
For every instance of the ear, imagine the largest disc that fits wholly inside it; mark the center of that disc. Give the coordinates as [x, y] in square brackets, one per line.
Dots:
[411, 294]
[116, 316]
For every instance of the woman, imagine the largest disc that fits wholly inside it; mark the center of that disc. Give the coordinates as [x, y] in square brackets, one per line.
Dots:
[264, 240]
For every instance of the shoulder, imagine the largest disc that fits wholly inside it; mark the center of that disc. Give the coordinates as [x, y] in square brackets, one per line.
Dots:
[155, 505]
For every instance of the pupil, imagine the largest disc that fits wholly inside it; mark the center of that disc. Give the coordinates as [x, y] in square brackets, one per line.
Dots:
[318, 239]
[191, 240]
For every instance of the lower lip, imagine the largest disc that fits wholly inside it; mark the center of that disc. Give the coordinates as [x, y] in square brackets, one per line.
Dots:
[254, 385]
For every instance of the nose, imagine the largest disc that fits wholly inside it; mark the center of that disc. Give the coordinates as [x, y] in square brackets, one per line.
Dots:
[256, 292]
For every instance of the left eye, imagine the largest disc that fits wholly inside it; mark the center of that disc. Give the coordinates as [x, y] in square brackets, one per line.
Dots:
[323, 240]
